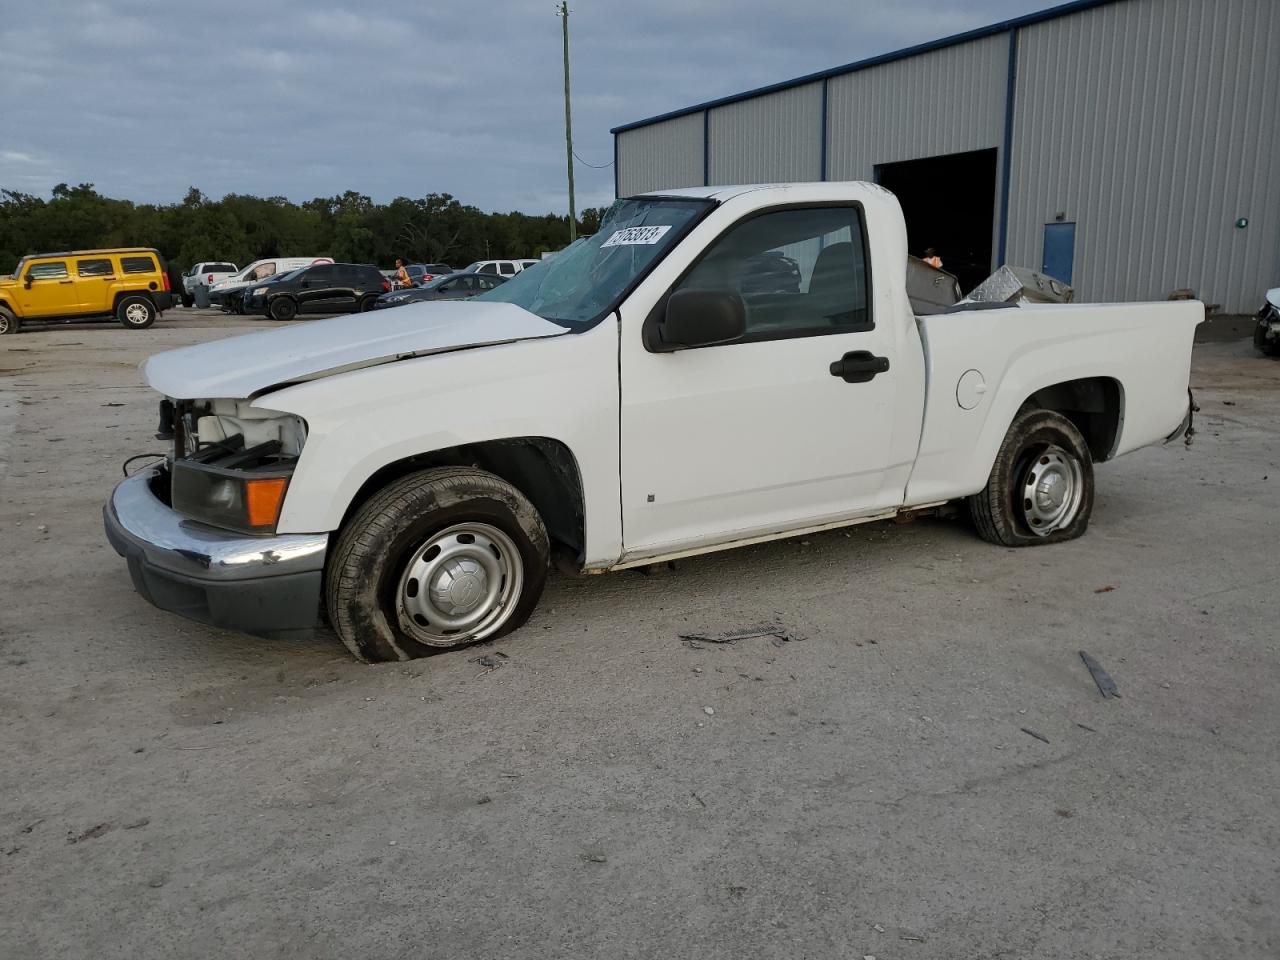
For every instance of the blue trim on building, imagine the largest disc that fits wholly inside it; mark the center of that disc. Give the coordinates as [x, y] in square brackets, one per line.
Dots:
[706, 148]
[1006, 151]
[823, 172]
[1004, 26]
[617, 177]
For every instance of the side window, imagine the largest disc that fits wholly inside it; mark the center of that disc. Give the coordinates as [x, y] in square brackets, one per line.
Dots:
[321, 273]
[137, 265]
[50, 270]
[94, 268]
[488, 268]
[486, 283]
[799, 272]
[507, 268]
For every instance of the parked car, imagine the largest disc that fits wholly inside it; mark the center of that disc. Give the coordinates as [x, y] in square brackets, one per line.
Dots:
[128, 284]
[503, 268]
[625, 404]
[229, 293]
[452, 286]
[421, 273]
[1266, 335]
[205, 273]
[318, 288]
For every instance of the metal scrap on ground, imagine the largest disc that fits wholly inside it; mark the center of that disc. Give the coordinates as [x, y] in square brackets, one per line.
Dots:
[777, 636]
[1106, 686]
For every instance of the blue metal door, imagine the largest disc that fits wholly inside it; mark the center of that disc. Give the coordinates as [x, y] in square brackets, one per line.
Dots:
[1059, 250]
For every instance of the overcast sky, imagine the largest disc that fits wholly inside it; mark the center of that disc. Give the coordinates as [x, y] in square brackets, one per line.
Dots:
[147, 97]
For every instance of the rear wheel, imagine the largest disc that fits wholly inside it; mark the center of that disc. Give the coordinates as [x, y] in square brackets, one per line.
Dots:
[283, 308]
[8, 322]
[188, 300]
[1041, 485]
[366, 304]
[439, 559]
[136, 313]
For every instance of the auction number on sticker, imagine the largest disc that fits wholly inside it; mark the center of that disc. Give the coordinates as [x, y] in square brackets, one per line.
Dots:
[636, 235]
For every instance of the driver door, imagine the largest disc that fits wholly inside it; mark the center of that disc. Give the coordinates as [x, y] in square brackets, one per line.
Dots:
[758, 436]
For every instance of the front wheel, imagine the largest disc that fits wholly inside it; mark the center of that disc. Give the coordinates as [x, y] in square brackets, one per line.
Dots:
[282, 308]
[440, 558]
[8, 322]
[136, 313]
[1041, 485]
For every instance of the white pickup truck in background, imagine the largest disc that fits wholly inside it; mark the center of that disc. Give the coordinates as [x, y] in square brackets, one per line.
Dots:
[650, 393]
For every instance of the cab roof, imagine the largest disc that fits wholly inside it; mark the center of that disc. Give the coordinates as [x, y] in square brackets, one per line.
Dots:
[88, 253]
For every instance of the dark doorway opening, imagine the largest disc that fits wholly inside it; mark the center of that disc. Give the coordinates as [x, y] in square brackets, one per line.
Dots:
[950, 204]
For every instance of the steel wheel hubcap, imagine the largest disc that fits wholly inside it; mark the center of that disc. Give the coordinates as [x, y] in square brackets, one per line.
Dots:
[136, 313]
[1052, 490]
[462, 584]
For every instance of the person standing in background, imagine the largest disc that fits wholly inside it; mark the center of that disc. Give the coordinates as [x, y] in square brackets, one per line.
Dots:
[930, 257]
[402, 275]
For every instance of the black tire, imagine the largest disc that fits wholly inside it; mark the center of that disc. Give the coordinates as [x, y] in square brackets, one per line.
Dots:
[8, 322]
[282, 308]
[368, 574]
[1043, 455]
[366, 304]
[136, 313]
[188, 300]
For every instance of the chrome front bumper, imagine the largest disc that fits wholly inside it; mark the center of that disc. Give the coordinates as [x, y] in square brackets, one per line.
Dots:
[269, 586]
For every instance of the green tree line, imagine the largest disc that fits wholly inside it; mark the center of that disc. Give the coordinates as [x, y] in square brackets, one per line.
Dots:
[350, 228]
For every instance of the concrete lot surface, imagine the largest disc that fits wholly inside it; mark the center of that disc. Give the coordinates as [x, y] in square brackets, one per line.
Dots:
[171, 791]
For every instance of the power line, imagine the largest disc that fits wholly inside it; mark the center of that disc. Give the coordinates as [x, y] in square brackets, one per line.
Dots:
[594, 166]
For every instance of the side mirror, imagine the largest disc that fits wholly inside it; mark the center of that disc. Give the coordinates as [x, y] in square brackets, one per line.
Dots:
[701, 318]
[26, 281]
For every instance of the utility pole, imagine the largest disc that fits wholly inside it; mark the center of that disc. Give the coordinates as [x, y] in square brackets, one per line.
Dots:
[563, 12]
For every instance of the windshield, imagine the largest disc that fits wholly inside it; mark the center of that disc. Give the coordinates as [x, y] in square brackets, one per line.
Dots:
[291, 275]
[587, 279]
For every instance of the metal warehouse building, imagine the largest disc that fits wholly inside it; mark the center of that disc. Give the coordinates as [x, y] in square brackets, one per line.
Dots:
[1127, 146]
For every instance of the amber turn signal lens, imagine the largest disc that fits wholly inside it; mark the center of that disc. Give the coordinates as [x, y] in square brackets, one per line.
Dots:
[263, 499]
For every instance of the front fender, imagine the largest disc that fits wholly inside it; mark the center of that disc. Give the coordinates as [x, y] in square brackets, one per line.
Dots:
[561, 388]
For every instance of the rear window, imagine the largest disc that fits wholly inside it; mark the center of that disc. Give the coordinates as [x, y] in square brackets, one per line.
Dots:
[47, 271]
[137, 265]
[219, 268]
[94, 268]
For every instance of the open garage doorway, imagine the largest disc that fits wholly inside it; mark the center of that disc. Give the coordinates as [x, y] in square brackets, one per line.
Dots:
[950, 204]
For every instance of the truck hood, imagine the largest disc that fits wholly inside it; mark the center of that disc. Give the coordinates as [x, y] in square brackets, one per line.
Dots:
[1273, 297]
[247, 366]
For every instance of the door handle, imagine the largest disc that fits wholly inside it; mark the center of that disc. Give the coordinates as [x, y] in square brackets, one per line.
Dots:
[66, 281]
[859, 366]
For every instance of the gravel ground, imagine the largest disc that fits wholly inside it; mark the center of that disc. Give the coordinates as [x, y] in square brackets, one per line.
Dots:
[881, 787]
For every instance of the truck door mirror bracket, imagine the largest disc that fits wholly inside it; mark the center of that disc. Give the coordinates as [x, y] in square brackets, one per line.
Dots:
[698, 318]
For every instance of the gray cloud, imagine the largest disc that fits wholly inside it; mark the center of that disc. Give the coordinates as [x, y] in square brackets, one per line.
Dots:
[144, 97]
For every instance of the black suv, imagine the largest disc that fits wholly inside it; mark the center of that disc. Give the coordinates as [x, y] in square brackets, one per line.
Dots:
[319, 288]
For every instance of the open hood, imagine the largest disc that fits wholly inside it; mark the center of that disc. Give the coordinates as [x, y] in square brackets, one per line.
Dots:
[246, 366]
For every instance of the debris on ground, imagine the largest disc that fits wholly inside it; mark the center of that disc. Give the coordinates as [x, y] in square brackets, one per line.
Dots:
[1106, 686]
[485, 799]
[490, 662]
[777, 636]
[91, 834]
[1085, 726]
[135, 824]
[1106, 589]
[709, 711]
[1031, 733]
[594, 858]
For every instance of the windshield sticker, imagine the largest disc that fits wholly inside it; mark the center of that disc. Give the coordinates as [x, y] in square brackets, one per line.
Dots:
[644, 236]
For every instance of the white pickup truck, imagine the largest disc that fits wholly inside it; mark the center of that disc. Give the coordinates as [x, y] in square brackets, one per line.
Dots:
[659, 390]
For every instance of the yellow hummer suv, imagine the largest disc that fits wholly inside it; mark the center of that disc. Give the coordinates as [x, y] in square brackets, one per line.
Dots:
[129, 284]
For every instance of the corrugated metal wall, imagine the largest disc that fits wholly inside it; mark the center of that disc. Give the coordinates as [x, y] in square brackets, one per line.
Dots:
[1154, 125]
[768, 139]
[945, 101]
[1151, 124]
[662, 155]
